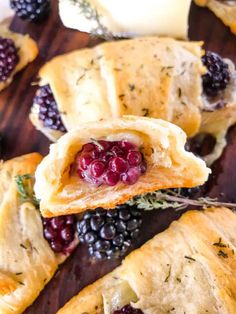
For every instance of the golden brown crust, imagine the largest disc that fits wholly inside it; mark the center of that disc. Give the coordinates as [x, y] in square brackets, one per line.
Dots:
[223, 10]
[188, 268]
[27, 51]
[156, 77]
[27, 262]
[168, 165]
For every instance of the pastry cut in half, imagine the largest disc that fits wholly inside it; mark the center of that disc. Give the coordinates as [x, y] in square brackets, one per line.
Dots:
[106, 163]
[27, 261]
[19, 49]
[223, 9]
[112, 18]
[155, 77]
[188, 268]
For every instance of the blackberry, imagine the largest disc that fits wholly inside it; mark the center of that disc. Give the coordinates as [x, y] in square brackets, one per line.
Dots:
[217, 77]
[48, 111]
[34, 10]
[8, 58]
[128, 309]
[60, 233]
[109, 233]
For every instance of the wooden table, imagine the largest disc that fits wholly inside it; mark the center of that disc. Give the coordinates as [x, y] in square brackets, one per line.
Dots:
[20, 137]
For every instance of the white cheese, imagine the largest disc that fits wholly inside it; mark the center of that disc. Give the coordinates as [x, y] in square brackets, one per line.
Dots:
[131, 17]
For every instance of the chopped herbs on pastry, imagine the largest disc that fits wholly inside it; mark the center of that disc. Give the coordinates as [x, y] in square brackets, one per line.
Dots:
[188, 268]
[223, 9]
[113, 18]
[27, 260]
[16, 51]
[104, 164]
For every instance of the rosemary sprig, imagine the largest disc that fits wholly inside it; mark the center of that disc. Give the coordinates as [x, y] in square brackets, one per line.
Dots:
[92, 14]
[171, 199]
[25, 189]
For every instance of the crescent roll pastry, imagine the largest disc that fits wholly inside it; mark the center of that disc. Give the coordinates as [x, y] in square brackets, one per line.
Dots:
[108, 18]
[223, 9]
[84, 170]
[27, 262]
[25, 51]
[188, 268]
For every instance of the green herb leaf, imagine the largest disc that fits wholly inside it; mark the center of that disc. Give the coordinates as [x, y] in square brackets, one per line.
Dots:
[25, 188]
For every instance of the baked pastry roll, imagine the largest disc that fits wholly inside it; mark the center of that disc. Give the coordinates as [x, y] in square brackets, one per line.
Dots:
[27, 262]
[21, 50]
[223, 9]
[188, 268]
[91, 166]
[108, 18]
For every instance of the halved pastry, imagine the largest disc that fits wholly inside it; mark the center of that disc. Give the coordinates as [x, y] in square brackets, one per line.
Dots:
[27, 260]
[16, 51]
[112, 18]
[156, 77]
[223, 9]
[106, 163]
[188, 268]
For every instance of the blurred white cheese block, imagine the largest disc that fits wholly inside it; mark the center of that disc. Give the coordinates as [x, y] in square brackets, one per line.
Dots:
[130, 17]
[5, 10]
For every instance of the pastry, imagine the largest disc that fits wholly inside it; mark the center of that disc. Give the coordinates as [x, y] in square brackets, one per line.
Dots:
[156, 77]
[111, 18]
[27, 261]
[188, 268]
[223, 9]
[106, 163]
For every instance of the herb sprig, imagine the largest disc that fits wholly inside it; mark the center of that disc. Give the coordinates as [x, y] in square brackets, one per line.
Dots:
[164, 199]
[25, 189]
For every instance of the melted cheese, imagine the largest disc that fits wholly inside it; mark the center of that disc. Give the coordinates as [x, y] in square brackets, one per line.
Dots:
[132, 17]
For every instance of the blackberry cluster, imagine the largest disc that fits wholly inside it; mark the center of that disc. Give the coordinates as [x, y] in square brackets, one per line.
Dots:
[217, 77]
[48, 111]
[34, 10]
[8, 58]
[128, 309]
[60, 233]
[109, 233]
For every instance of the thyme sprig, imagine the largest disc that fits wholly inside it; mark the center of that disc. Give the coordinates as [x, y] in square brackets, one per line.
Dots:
[164, 199]
[90, 13]
[25, 189]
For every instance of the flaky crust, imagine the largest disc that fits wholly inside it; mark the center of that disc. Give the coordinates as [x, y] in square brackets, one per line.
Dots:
[223, 10]
[156, 77]
[169, 165]
[27, 262]
[27, 51]
[189, 268]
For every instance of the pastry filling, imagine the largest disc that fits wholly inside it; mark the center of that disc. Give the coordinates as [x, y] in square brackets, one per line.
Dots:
[217, 77]
[48, 111]
[109, 233]
[60, 233]
[128, 309]
[110, 162]
[8, 58]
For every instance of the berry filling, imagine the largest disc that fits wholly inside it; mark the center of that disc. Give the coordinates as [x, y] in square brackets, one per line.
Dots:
[8, 58]
[109, 233]
[34, 10]
[105, 162]
[48, 110]
[60, 233]
[128, 309]
[217, 77]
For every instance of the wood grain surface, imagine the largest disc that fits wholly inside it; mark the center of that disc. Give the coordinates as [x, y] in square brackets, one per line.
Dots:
[20, 137]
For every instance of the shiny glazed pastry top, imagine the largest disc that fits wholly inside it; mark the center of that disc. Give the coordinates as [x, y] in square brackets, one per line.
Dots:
[106, 163]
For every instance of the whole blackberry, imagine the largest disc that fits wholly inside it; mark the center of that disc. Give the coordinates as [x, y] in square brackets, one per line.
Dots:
[60, 233]
[128, 309]
[8, 58]
[34, 10]
[109, 233]
[48, 111]
[217, 77]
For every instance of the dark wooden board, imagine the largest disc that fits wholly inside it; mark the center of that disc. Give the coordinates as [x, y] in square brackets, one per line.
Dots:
[20, 137]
